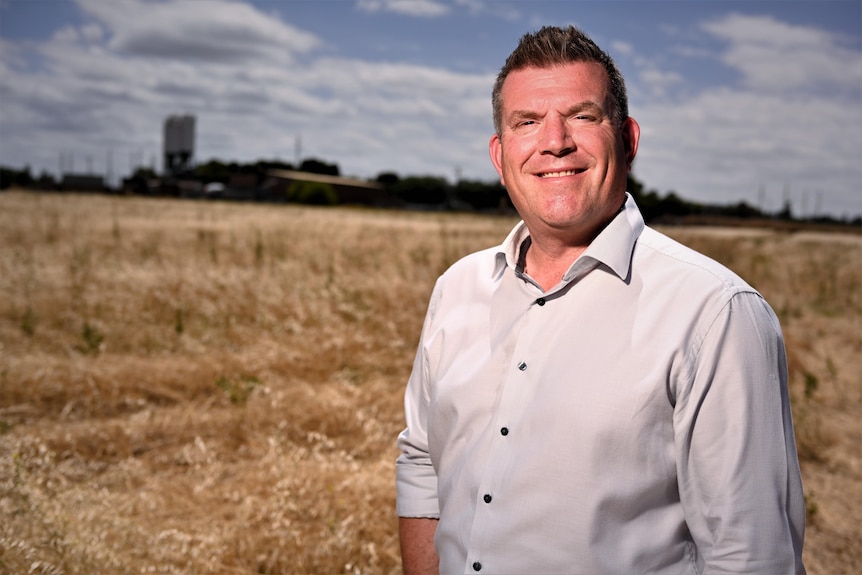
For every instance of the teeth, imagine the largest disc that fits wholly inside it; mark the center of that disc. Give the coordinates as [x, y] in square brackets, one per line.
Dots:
[559, 174]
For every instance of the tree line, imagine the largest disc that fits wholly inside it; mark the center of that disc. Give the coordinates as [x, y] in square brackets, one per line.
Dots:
[434, 192]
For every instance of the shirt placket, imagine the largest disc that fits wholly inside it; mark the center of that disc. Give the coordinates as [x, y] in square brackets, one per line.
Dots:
[516, 350]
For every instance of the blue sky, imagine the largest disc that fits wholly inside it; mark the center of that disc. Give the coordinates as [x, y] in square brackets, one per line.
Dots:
[754, 101]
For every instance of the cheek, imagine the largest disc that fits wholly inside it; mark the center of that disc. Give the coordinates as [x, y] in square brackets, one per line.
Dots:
[510, 175]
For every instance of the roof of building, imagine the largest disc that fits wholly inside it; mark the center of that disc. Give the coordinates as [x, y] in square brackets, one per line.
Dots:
[323, 178]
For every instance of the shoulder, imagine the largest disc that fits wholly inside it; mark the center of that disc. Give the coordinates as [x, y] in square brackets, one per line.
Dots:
[663, 258]
[470, 279]
[688, 284]
[475, 266]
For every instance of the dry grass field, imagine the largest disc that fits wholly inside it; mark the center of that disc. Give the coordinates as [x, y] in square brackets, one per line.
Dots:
[194, 387]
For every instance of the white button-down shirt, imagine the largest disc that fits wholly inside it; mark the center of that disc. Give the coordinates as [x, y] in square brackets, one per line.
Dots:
[633, 419]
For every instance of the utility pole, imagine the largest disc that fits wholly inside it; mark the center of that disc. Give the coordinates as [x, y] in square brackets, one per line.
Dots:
[109, 165]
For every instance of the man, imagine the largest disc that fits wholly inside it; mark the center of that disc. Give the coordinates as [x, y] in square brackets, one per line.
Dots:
[592, 397]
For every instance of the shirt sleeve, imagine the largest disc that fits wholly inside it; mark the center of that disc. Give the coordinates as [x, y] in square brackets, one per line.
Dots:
[738, 471]
[416, 479]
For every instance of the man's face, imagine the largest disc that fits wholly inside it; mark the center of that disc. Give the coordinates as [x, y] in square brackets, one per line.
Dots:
[560, 154]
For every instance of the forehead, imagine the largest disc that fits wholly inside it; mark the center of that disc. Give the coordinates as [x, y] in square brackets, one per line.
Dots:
[568, 83]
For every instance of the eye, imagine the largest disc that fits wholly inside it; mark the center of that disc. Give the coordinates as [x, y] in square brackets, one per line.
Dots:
[523, 125]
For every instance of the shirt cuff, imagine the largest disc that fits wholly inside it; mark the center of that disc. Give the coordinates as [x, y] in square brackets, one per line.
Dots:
[417, 490]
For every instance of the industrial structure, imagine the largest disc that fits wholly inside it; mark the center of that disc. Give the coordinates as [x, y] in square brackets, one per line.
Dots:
[179, 144]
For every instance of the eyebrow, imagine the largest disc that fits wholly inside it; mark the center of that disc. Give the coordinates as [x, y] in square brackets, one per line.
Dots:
[587, 105]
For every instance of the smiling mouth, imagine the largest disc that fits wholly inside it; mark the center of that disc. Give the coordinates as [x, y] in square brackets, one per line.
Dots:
[560, 174]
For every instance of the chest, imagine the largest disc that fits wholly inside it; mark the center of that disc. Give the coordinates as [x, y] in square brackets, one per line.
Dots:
[589, 368]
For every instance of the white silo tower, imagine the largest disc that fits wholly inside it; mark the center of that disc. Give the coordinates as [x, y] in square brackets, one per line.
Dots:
[179, 143]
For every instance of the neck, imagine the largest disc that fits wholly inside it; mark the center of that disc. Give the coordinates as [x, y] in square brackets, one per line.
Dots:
[551, 254]
[547, 266]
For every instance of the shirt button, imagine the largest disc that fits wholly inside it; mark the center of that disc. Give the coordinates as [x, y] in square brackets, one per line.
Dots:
[477, 566]
[504, 431]
[487, 498]
[540, 301]
[522, 366]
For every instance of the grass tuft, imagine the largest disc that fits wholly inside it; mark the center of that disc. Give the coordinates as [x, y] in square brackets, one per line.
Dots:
[91, 339]
[238, 389]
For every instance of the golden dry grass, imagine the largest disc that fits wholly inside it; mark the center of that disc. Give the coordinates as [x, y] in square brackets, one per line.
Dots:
[192, 387]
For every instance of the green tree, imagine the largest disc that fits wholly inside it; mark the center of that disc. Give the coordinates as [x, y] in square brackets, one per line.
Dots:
[316, 166]
[482, 195]
[422, 190]
[388, 179]
[786, 213]
[634, 187]
[10, 176]
[213, 171]
[314, 193]
[144, 174]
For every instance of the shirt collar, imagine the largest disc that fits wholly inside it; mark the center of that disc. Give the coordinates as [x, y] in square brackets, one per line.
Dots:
[510, 250]
[613, 246]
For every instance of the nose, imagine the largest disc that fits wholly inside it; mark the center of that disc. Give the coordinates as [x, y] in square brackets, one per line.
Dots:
[556, 137]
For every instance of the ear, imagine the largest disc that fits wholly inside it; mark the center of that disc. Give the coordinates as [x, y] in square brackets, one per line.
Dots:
[495, 149]
[631, 134]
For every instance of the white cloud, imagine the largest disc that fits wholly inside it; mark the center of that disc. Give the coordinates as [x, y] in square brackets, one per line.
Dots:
[624, 48]
[92, 32]
[474, 6]
[418, 8]
[207, 30]
[784, 129]
[257, 82]
[659, 84]
[97, 97]
[67, 34]
[776, 57]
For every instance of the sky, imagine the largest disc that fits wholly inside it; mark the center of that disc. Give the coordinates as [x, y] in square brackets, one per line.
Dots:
[755, 101]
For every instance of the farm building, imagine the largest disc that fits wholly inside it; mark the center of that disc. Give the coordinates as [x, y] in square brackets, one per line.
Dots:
[348, 190]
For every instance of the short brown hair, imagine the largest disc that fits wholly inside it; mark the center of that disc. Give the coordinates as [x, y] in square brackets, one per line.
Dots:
[554, 46]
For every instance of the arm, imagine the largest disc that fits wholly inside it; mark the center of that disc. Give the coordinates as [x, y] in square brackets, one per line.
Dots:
[738, 471]
[416, 480]
[418, 556]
